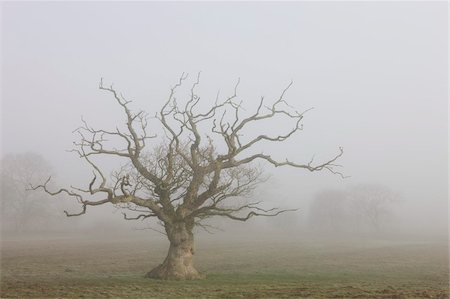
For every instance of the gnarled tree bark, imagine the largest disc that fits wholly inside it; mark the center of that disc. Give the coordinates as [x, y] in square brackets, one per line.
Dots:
[179, 263]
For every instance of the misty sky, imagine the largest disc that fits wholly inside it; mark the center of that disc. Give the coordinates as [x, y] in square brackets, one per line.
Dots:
[375, 73]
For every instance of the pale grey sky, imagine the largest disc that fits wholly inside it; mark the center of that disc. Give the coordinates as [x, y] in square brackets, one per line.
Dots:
[375, 72]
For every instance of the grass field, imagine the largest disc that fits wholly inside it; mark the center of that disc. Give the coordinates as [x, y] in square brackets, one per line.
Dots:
[114, 268]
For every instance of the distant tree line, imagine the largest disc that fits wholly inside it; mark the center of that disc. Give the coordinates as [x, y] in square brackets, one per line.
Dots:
[362, 208]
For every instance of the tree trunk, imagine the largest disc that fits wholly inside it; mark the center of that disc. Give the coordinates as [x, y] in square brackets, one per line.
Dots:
[179, 262]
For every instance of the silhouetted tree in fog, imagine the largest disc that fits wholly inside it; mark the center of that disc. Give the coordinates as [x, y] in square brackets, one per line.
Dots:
[364, 207]
[184, 178]
[371, 204]
[21, 210]
[329, 211]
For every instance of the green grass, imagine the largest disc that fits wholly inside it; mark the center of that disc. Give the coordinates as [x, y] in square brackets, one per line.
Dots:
[115, 269]
[223, 286]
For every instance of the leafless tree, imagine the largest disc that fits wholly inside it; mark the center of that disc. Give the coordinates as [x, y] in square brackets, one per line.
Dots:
[329, 212]
[371, 204]
[22, 211]
[360, 208]
[185, 178]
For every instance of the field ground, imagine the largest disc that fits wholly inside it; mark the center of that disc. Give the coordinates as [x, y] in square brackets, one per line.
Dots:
[114, 268]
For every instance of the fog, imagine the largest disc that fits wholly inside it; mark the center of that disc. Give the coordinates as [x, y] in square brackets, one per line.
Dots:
[375, 74]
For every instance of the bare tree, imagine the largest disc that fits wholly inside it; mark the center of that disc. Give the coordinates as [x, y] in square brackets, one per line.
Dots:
[361, 208]
[186, 178]
[329, 212]
[21, 211]
[372, 204]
